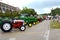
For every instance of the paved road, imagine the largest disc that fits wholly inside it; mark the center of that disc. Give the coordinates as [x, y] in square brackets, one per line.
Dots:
[36, 32]
[54, 34]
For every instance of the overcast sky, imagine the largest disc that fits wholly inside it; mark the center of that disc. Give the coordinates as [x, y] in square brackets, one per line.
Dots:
[40, 6]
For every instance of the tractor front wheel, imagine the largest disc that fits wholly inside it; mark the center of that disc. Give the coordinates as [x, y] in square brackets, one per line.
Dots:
[22, 28]
[30, 25]
[34, 23]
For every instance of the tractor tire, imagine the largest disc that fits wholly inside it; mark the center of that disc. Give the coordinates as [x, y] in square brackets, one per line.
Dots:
[34, 23]
[22, 28]
[30, 25]
[6, 27]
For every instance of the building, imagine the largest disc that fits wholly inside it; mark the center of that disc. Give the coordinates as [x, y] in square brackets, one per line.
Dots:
[4, 7]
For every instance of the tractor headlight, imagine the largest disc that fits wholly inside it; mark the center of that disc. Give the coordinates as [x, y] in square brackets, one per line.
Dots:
[24, 22]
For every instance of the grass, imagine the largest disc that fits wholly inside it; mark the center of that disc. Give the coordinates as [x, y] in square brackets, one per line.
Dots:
[55, 25]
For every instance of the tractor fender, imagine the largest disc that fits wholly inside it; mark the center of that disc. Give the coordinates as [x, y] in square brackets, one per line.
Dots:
[6, 21]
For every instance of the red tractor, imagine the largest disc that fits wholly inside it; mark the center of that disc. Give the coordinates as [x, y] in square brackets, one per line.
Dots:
[39, 19]
[6, 26]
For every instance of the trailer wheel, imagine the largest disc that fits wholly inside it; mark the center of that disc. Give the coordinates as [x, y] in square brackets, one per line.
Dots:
[30, 25]
[22, 28]
[6, 27]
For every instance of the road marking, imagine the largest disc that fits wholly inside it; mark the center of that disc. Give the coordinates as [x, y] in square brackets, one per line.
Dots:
[12, 38]
[46, 35]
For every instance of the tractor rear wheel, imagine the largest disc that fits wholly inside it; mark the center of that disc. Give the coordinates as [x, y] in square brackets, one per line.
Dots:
[6, 27]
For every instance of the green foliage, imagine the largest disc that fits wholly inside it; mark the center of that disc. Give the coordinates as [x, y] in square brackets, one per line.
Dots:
[2, 14]
[9, 14]
[28, 11]
[25, 10]
[54, 25]
[14, 14]
[46, 14]
[55, 11]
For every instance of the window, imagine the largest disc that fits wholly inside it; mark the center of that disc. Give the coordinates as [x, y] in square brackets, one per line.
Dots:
[3, 10]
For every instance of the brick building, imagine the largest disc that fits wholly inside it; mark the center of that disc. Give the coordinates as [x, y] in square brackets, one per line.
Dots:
[4, 7]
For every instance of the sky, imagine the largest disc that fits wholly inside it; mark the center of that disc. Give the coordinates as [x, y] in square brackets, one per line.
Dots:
[40, 6]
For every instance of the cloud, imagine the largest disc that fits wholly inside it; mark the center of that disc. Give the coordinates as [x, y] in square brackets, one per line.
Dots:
[41, 6]
[43, 10]
[44, 6]
[46, 10]
[17, 3]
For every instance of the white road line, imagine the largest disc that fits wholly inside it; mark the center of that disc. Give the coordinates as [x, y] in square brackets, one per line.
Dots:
[12, 38]
[46, 35]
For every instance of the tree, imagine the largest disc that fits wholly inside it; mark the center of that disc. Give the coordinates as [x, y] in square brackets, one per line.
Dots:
[2, 14]
[11, 14]
[28, 11]
[15, 13]
[8, 13]
[55, 11]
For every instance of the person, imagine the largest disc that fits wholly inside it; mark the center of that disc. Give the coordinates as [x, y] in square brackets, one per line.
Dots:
[59, 18]
[53, 18]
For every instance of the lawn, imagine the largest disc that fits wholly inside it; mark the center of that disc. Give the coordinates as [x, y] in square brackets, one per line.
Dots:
[55, 25]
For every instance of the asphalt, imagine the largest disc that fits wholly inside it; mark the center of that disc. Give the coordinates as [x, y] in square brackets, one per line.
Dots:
[54, 34]
[39, 31]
